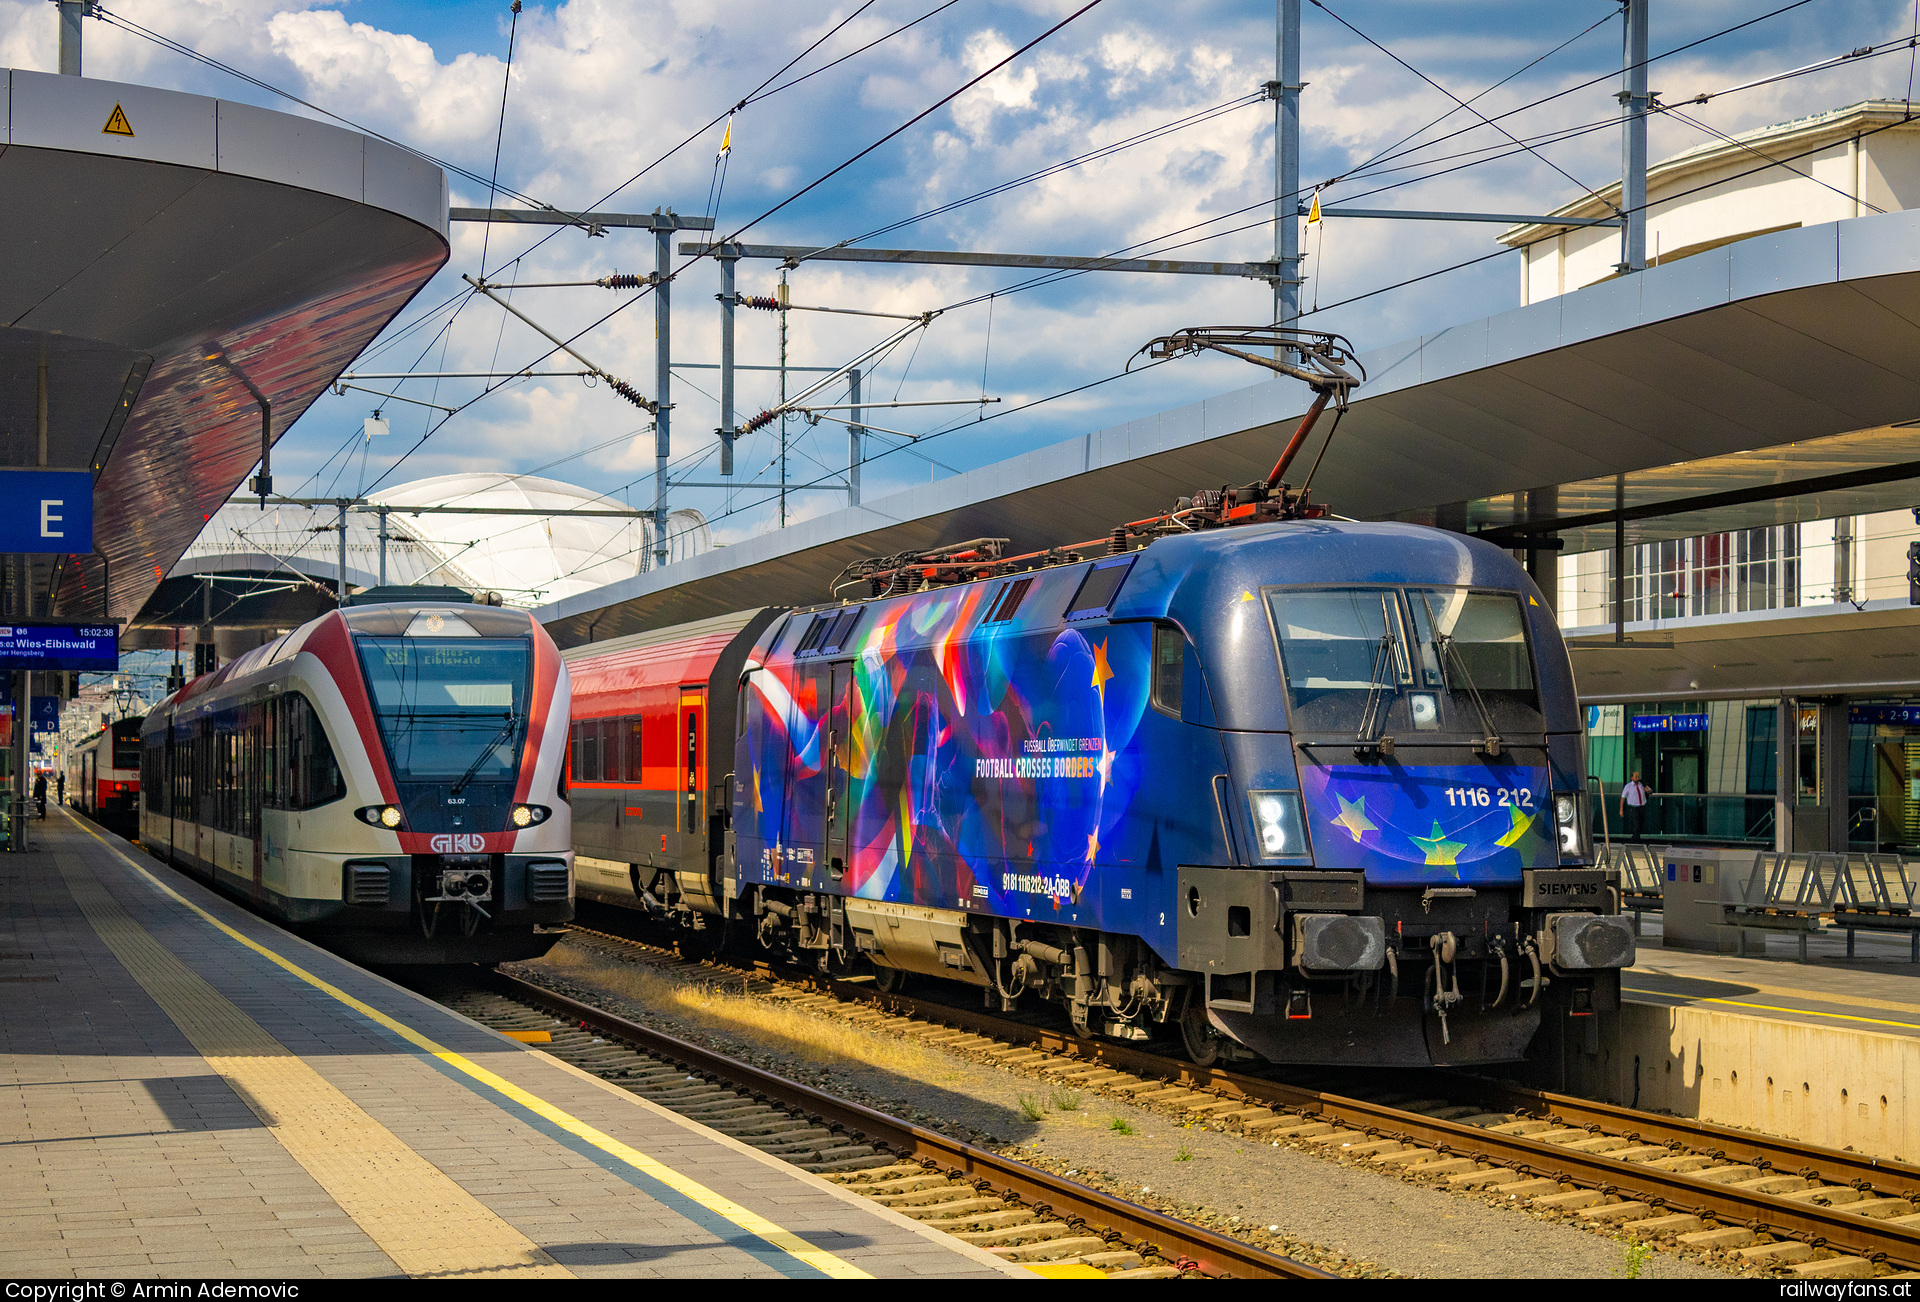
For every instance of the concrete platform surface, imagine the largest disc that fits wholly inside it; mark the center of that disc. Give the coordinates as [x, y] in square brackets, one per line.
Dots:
[187, 1090]
[1877, 990]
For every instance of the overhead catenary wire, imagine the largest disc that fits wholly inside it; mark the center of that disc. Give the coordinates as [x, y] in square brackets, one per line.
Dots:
[816, 183]
[1216, 219]
[1595, 81]
[1465, 104]
[500, 135]
[1422, 130]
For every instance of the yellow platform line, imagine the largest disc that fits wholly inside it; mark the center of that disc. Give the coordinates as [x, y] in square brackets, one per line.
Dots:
[1767, 1008]
[414, 1212]
[1792, 992]
[746, 1218]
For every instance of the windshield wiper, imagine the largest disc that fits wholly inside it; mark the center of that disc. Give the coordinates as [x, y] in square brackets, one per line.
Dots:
[1366, 743]
[1492, 744]
[505, 733]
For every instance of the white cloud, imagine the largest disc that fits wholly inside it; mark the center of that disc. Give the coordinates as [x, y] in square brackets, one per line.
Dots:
[602, 89]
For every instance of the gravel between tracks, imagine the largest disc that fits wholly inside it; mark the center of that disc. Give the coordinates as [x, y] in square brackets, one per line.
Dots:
[1331, 1213]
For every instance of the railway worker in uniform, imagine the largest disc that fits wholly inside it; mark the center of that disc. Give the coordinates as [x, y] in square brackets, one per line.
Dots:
[1633, 806]
[40, 792]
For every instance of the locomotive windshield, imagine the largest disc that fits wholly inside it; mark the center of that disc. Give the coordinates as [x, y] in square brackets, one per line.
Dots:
[1407, 661]
[450, 709]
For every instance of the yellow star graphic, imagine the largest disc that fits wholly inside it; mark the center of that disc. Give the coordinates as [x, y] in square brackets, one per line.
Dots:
[1521, 822]
[1093, 844]
[1440, 851]
[1353, 817]
[1102, 671]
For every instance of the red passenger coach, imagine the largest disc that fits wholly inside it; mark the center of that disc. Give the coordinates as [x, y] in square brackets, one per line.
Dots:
[103, 777]
[651, 753]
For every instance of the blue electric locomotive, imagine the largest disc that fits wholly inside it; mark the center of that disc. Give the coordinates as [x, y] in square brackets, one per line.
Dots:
[1308, 791]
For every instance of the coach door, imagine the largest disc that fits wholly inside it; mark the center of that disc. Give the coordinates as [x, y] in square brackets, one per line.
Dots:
[839, 750]
[691, 818]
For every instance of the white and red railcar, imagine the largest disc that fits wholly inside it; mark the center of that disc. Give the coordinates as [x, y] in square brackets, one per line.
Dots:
[389, 779]
[103, 776]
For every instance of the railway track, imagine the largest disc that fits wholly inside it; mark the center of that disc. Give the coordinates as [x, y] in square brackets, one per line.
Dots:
[1761, 1200]
[1015, 1211]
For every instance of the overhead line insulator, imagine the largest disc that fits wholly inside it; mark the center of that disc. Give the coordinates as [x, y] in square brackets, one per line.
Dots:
[633, 395]
[623, 282]
[760, 301]
[761, 421]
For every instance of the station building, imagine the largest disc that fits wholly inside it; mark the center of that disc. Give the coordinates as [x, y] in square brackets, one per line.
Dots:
[1807, 599]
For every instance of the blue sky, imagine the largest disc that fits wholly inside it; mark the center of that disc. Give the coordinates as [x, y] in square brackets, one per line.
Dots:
[600, 90]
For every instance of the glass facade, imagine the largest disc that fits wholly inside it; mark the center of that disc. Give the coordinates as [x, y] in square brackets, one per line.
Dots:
[1713, 574]
[1710, 769]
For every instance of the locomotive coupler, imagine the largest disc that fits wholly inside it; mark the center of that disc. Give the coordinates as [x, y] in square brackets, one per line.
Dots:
[1446, 978]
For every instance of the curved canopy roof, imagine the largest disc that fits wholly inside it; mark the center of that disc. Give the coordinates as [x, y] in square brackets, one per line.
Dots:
[167, 276]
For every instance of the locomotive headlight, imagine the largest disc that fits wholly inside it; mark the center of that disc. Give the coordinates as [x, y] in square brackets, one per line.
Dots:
[387, 816]
[529, 815]
[1571, 827]
[1278, 823]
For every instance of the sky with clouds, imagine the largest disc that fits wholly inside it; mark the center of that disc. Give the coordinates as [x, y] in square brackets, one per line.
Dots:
[601, 91]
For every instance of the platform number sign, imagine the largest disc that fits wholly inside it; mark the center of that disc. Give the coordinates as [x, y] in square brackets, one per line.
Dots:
[46, 511]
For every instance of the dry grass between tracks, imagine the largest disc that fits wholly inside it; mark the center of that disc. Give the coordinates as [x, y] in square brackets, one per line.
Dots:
[805, 1035]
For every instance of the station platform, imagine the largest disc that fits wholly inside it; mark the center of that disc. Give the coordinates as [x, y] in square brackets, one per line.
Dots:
[1876, 990]
[188, 1091]
[1826, 1051]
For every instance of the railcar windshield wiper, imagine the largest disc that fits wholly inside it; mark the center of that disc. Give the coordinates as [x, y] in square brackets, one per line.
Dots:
[1373, 721]
[506, 734]
[1450, 651]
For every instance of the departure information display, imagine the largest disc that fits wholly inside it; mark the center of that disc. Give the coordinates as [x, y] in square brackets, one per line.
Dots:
[83, 648]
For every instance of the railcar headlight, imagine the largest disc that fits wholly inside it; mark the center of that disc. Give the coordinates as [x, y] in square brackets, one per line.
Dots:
[1278, 823]
[529, 815]
[387, 816]
[1566, 817]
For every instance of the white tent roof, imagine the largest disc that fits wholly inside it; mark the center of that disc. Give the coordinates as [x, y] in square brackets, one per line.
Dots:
[535, 559]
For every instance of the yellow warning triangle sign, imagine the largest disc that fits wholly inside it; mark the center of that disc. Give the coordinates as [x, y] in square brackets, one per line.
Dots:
[117, 124]
[1313, 213]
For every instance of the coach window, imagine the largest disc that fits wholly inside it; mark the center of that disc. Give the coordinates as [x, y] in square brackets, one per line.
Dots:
[306, 771]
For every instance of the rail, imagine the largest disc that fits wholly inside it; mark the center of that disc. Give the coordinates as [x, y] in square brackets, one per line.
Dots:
[1853, 1176]
[1213, 1254]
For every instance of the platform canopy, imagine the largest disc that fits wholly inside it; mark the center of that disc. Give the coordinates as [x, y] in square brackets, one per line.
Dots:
[1771, 365]
[169, 257]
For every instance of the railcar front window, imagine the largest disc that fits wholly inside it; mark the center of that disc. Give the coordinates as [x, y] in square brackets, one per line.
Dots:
[1482, 633]
[1405, 661]
[1337, 643]
[450, 709]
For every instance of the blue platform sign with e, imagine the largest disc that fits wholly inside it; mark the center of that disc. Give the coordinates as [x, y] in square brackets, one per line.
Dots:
[46, 511]
[81, 648]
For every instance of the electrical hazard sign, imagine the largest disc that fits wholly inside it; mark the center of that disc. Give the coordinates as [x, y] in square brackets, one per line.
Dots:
[117, 124]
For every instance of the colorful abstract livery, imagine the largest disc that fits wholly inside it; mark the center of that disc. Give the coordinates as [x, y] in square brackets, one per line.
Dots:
[1307, 792]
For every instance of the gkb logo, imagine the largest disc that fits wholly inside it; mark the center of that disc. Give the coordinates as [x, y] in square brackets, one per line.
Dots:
[459, 843]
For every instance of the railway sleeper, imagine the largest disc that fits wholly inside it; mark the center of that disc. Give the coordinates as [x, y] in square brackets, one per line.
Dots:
[1056, 1250]
[1673, 1224]
[957, 1209]
[1013, 1236]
